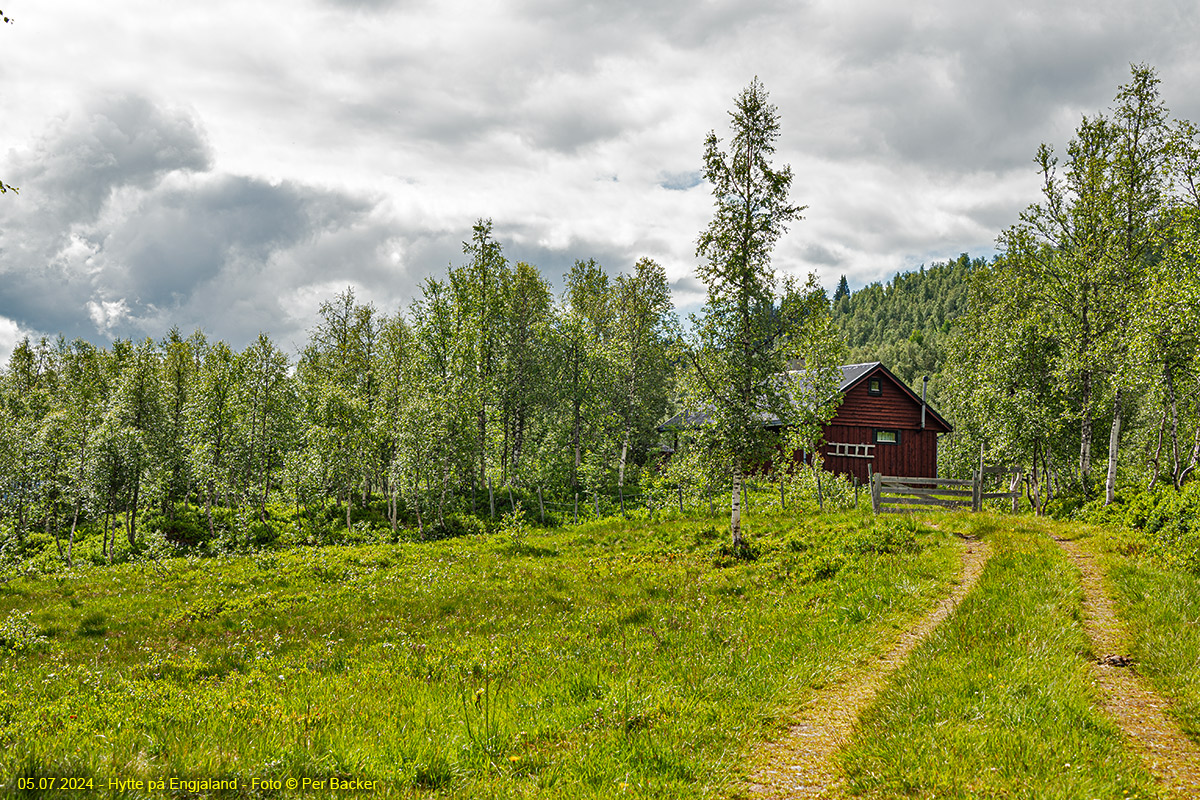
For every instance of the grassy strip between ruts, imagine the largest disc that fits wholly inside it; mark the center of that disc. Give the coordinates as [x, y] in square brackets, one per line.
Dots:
[622, 657]
[998, 702]
[1160, 611]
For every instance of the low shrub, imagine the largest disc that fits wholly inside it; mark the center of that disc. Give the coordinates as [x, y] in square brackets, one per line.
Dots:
[19, 634]
[1163, 522]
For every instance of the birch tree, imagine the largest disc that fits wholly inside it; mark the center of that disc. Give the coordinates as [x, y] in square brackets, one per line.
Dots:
[524, 380]
[585, 337]
[479, 289]
[739, 329]
[1140, 170]
[1060, 250]
[211, 421]
[265, 419]
[815, 351]
[644, 325]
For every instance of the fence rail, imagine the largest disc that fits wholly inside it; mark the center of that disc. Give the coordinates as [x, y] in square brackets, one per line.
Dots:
[897, 493]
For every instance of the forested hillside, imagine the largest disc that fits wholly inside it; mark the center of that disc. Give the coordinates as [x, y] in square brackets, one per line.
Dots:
[906, 322]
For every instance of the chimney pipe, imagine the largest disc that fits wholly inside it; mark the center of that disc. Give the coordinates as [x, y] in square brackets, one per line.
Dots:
[924, 390]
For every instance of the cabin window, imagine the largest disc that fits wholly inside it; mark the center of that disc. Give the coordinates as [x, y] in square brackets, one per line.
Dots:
[887, 437]
[874, 386]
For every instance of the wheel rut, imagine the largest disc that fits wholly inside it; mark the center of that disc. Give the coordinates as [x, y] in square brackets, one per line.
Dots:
[1170, 756]
[801, 763]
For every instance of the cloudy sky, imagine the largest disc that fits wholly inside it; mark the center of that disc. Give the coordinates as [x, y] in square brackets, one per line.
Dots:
[229, 165]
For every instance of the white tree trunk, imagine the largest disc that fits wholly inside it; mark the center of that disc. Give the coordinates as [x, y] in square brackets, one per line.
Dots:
[1085, 433]
[1114, 439]
[735, 514]
[624, 452]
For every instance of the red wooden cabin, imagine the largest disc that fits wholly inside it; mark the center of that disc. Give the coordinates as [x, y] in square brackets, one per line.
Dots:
[883, 426]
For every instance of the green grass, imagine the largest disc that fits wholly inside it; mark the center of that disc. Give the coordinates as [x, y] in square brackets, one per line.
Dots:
[998, 701]
[616, 657]
[1160, 610]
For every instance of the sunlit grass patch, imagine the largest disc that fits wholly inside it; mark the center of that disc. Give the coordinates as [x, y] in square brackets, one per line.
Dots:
[561, 663]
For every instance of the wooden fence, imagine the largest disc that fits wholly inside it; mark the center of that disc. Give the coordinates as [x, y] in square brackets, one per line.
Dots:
[894, 493]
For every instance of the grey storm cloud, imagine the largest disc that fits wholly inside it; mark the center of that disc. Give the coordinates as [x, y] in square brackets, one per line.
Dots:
[124, 229]
[120, 141]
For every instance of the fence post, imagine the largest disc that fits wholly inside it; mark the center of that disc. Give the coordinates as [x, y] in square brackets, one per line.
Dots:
[875, 491]
[577, 508]
[1014, 489]
[541, 506]
[977, 490]
[491, 499]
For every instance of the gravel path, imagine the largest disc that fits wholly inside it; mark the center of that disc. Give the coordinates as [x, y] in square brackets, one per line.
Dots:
[1171, 757]
[801, 763]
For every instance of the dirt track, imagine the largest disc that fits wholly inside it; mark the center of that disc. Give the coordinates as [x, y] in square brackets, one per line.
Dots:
[800, 764]
[1168, 754]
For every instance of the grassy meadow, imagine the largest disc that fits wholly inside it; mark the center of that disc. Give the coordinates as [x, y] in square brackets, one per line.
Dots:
[617, 657]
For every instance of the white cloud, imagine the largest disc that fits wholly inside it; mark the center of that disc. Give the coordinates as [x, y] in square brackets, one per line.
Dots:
[11, 335]
[107, 315]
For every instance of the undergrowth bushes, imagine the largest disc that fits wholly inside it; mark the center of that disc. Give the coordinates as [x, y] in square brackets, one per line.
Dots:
[1163, 523]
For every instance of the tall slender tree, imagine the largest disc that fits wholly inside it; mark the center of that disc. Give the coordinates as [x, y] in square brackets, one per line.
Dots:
[644, 326]
[739, 327]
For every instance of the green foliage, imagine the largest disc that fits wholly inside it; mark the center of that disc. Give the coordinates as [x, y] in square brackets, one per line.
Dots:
[1086, 325]
[18, 634]
[515, 528]
[1166, 520]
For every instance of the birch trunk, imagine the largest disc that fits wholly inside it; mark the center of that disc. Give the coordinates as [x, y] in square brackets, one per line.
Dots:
[417, 507]
[1176, 465]
[1085, 431]
[57, 541]
[133, 517]
[1156, 461]
[624, 453]
[1114, 441]
[735, 514]
[1031, 486]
